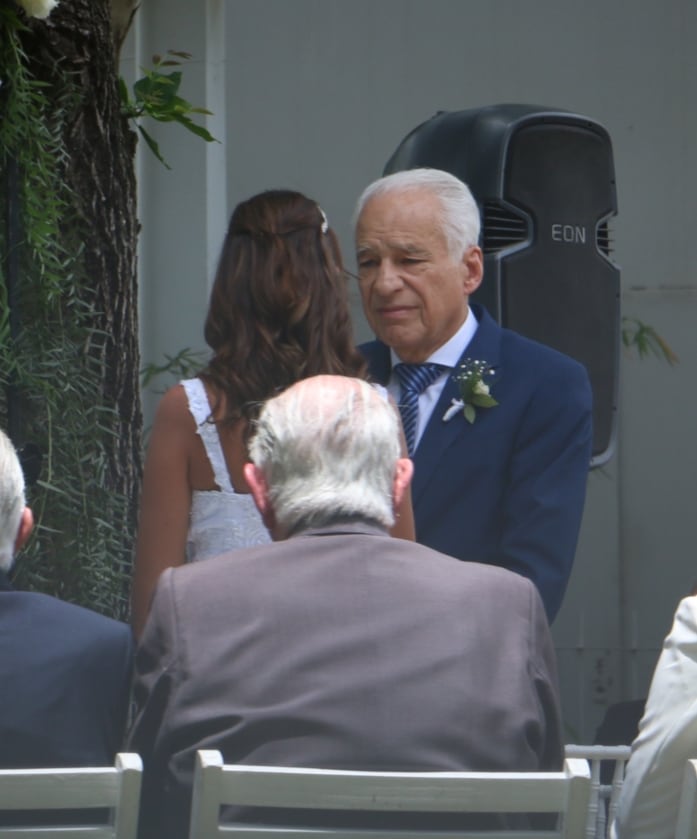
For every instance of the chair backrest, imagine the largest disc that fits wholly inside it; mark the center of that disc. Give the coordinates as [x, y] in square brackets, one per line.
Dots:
[114, 789]
[686, 825]
[603, 798]
[217, 784]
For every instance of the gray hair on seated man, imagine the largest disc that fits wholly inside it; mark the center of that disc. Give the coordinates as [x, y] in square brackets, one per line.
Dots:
[460, 219]
[15, 517]
[328, 449]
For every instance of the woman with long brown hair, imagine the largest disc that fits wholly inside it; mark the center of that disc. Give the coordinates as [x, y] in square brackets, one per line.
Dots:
[278, 313]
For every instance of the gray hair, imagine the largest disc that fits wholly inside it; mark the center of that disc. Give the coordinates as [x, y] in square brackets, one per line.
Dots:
[328, 448]
[12, 500]
[460, 218]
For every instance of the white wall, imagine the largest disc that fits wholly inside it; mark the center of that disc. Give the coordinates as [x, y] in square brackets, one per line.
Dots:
[316, 94]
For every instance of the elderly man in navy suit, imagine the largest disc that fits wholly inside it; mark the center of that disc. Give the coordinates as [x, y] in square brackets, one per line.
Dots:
[65, 671]
[498, 426]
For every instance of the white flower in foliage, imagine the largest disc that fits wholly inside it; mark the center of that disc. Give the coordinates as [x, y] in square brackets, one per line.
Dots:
[38, 8]
[480, 388]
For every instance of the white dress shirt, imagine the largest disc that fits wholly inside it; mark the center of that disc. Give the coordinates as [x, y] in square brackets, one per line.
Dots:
[448, 355]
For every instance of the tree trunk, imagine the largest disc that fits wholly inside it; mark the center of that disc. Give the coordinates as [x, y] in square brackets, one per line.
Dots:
[73, 50]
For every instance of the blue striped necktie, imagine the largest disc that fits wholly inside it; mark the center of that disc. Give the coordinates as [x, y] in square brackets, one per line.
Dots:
[413, 380]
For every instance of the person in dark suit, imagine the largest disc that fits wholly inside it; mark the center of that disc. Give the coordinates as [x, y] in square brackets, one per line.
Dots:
[499, 426]
[65, 671]
[338, 646]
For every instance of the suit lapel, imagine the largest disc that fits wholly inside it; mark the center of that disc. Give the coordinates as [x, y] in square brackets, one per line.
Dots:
[438, 435]
[379, 361]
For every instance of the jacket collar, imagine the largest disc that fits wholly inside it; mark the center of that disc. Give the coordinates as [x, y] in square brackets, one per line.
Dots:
[353, 527]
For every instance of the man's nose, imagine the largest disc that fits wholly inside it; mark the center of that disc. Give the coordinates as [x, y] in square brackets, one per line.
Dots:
[388, 278]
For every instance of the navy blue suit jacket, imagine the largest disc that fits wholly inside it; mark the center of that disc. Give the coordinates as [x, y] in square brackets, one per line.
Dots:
[65, 673]
[509, 489]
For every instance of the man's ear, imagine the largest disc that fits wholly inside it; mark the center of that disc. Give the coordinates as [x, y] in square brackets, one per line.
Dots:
[26, 525]
[256, 480]
[473, 265]
[257, 486]
[402, 478]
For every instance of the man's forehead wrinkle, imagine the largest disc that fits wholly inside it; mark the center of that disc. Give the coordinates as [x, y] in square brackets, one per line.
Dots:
[391, 245]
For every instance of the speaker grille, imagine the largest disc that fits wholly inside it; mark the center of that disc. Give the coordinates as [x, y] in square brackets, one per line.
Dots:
[603, 238]
[502, 227]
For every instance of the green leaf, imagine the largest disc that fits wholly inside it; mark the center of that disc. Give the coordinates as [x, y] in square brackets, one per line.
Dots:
[466, 386]
[470, 413]
[481, 400]
[646, 341]
[156, 96]
[198, 130]
[179, 106]
[157, 90]
[154, 148]
[123, 92]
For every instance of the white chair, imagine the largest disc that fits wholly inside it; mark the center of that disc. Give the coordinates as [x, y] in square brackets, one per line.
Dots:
[686, 826]
[217, 784]
[113, 788]
[603, 797]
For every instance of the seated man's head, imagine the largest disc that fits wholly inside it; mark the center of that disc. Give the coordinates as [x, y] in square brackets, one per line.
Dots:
[327, 450]
[16, 519]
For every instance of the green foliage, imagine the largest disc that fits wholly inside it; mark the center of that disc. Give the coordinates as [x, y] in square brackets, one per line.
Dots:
[53, 357]
[156, 96]
[185, 364]
[639, 336]
[474, 391]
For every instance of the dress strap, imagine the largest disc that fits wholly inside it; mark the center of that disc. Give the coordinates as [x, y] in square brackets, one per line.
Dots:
[208, 431]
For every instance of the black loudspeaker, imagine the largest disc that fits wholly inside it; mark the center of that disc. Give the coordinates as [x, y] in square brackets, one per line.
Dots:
[545, 183]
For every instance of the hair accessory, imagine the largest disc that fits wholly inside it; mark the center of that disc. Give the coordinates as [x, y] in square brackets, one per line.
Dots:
[325, 224]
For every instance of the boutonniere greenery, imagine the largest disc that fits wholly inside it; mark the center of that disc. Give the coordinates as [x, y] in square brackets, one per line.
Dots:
[475, 393]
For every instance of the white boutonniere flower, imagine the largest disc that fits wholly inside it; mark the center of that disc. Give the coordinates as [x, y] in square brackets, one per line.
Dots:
[38, 8]
[474, 391]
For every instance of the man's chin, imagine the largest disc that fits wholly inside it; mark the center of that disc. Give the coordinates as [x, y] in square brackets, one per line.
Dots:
[400, 343]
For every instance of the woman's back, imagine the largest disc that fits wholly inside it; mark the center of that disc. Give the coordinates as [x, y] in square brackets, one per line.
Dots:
[222, 518]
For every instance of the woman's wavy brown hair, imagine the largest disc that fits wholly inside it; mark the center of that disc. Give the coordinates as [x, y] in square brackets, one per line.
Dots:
[278, 311]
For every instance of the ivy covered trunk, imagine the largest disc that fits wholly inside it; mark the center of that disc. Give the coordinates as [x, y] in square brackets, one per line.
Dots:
[69, 341]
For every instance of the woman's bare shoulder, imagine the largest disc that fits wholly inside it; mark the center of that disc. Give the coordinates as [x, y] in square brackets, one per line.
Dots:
[172, 415]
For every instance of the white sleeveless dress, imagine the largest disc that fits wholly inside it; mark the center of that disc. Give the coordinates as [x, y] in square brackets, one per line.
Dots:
[222, 520]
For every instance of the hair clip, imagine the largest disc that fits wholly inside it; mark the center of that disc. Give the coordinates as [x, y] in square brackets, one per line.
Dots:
[325, 224]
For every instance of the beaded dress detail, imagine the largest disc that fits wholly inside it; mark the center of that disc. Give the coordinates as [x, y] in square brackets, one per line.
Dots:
[222, 520]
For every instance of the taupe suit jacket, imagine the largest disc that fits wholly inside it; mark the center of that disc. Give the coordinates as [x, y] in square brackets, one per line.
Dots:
[341, 647]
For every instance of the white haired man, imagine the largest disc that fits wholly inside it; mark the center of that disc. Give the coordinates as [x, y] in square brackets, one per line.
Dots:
[65, 671]
[338, 646]
[501, 458]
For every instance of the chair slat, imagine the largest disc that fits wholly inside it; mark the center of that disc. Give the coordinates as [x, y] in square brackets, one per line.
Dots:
[112, 788]
[473, 792]
[66, 832]
[246, 832]
[54, 789]
[216, 785]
